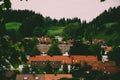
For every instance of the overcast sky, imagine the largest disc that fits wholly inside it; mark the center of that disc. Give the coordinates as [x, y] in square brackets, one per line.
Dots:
[83, 9]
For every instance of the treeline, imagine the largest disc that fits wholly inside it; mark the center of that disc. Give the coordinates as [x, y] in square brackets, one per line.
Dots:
[22, 15]
[36, 25]
[106, 26]
[110, 15]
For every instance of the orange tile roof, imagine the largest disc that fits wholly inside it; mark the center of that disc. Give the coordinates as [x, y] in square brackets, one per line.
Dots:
[57, 76]
[84, 58]
[64, 59]
[42, 76]
[30, 76]
[40, 58]
[108, 66]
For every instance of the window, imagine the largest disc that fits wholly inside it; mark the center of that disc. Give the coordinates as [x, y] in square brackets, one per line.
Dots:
[25, 78]
[65, 60]
[36, 78]
[104, 68]
[96, 68]
[35, 63]
[104, 71]
[108, 72]
[73, 60]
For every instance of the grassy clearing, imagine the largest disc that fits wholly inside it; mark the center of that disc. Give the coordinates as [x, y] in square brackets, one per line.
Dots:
[109, 25]
[52, 31]
[12, 25]
[108, 33]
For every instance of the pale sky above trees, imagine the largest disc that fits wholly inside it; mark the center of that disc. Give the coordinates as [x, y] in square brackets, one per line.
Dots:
[84, 9]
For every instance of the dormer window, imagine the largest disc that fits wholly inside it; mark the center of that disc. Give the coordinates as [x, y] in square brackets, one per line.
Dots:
[25, 78]
[73, 60]
[104, 68]
[96, 68]
[108, 72]
[65, 60]
[36, 78]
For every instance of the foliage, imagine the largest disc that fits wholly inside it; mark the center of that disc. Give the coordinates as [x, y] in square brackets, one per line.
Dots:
[95, 49]
[97, 75]
[9, 51]
[35, 51]
[39, 31]
[66, 79]
[48, 68]
[30, 23]
[90, 32]
[30, 47]
[65, 68]
[79, 48]
[24, 58]
[115, 76]
[12, 29]
[12, 25]
[54, 49]
[115, 55]
[72, 31]
[54, 30]
[25, 69]
[81, 70]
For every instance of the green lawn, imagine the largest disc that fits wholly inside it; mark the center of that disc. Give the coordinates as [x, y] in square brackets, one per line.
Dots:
[52, 31]
[12, 25]
[109, 25]
[104, 34]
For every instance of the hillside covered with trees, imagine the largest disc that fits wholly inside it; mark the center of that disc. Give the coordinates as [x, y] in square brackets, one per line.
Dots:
[105, 26]
[15, 25]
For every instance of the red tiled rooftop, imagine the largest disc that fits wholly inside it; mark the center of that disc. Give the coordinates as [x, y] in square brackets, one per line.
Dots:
[108, 66]
[57, 76]
[39, 58]
[42, 76]
[63, 59]
[84, 58]
[30, 76]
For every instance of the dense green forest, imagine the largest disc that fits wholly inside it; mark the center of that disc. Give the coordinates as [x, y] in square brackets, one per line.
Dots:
[18, 24]
[107, 25]
[29, 24]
